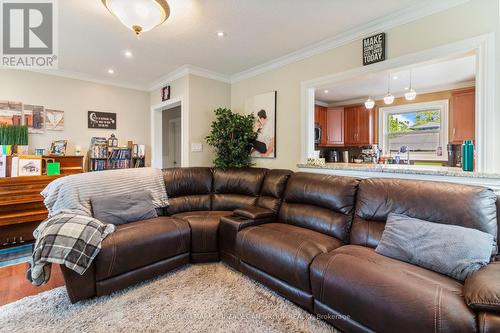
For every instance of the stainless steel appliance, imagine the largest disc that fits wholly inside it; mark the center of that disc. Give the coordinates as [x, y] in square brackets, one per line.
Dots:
[332, 156]
[317, 134]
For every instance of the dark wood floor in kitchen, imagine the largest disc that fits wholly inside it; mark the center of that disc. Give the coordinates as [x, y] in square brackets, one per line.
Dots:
[14, 285]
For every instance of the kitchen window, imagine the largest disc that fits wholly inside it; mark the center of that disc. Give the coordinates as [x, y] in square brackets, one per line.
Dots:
[422, 127]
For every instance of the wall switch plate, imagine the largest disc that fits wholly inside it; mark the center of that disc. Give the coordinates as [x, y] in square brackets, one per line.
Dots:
[196, 147]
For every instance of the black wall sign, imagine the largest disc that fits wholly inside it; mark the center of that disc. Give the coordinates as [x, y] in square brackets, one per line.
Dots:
[374, 49]
[105, 120]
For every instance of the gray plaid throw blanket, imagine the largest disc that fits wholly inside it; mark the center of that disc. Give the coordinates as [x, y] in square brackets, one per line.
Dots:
[68, 239]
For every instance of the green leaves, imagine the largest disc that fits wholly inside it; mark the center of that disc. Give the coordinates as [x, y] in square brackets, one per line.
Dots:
[231, 137]
[13, 135]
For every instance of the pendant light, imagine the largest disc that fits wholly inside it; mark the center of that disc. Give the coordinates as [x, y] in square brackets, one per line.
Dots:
[389, 98]
[411, 94]
[369, 103]
[139, 15]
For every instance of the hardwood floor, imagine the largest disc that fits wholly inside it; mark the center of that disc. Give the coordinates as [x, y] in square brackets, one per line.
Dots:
[14, 285]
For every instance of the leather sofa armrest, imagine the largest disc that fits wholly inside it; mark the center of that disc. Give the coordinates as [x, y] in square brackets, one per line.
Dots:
[482, 289]
[254, 213]
[79, 287]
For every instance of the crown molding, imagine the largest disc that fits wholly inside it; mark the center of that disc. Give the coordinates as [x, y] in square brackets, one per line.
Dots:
[186, 70]
[434, 89]
[86, 77]
[387, 22]
[321, 103]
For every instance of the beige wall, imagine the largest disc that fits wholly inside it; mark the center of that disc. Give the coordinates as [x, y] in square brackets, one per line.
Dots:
[465, 21]
[76, 97]
[200, 96]
[205, 95]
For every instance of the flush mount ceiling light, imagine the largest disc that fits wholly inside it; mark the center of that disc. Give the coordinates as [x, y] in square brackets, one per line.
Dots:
[411, 94]
[389, 98]
[370, 103]
[139, 15]
[326, 91]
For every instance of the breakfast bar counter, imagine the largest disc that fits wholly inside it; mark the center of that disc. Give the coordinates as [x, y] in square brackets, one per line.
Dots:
[423, 172]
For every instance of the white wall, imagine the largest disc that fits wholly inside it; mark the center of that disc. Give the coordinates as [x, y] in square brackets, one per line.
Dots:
[471, 19]
[76, 97]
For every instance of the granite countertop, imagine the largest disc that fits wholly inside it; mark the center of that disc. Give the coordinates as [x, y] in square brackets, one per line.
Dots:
[405, 169]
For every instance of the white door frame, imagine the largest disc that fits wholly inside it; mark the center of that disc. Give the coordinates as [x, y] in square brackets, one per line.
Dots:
[488, 160]
[156, 131]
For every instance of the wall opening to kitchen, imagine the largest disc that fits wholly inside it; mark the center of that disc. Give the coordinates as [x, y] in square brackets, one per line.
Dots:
[418, 114]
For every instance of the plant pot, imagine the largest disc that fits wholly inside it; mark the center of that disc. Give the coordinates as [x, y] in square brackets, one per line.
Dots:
[21, 149]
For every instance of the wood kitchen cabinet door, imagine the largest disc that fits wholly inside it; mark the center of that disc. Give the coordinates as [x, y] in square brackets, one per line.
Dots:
[365, 125]
[358, 123]
[335, 126]
[463, 124]
[350, 125]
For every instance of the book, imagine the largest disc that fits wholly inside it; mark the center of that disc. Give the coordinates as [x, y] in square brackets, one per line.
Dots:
[14, 171]
[3, 166]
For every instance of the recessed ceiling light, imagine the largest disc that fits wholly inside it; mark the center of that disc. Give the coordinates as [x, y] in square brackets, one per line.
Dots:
[326, 91]
[395, 77]
[111, 71]
[406, 88]
[221, 34]
[128, 54]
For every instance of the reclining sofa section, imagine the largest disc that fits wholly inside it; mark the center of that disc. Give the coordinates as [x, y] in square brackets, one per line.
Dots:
[311, 238]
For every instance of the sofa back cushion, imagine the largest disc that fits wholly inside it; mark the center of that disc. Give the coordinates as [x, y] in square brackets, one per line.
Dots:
[273, 189]
[188, 189]
[324, 203]
[236, 188]
[462, 205]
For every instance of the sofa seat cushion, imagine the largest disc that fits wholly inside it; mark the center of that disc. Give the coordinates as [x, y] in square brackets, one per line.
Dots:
[283, 250]
[388, 295]
[204, 229]
[138, 244]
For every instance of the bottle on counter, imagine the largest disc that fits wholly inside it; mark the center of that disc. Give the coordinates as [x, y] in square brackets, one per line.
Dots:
[468, 156]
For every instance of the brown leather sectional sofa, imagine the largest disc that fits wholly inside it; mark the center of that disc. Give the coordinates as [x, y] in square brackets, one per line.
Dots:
[311, 238]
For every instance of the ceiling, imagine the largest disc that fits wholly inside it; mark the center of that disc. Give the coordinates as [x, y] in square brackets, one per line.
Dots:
[426, 77]
[92, 41]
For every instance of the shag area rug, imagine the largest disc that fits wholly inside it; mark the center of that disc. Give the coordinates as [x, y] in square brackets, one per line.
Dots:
[195, 298]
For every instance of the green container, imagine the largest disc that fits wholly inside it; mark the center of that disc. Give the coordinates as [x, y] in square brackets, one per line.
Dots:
[53, 169]
[468, 155]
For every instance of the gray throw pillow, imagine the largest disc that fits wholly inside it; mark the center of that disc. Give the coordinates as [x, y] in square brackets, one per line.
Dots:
[124, 208]
[447, 249]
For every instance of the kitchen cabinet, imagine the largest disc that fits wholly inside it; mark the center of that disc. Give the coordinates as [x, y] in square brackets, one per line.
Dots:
[463, 123]
[335, 126]
[358, 123]
[320, 121]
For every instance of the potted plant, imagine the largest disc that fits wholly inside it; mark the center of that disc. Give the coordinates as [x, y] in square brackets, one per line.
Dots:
[231, 137]
[13, 136]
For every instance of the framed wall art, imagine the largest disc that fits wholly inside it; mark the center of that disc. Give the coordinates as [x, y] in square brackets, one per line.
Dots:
[263, 107]
[11, 113]
[34, 118]
[58, 148]
[54, 120]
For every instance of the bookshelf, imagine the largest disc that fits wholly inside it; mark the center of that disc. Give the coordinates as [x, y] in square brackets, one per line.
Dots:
[105, 157]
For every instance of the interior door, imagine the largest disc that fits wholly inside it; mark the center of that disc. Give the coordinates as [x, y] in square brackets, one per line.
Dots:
[174, 141]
